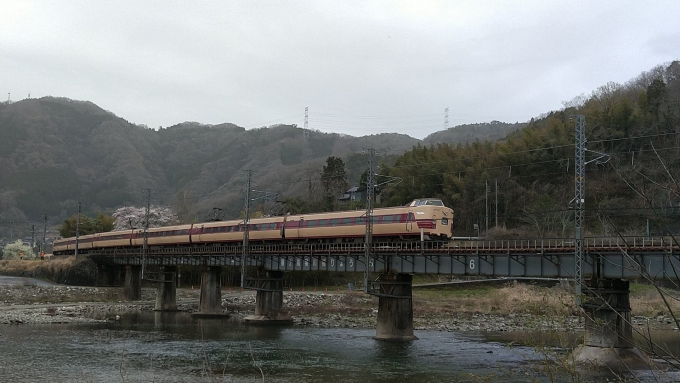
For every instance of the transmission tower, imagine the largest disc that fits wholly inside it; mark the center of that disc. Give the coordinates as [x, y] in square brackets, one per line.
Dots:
[368, 241]
[579, 198]
[245, 250]
[446, 119]
[306, 131]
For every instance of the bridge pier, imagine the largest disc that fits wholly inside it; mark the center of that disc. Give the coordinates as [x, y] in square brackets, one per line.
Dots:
[608, 340]
[107, 275]
[132, 288]
[268, 300]
[395, 307]
[210, 302]
[166, 293]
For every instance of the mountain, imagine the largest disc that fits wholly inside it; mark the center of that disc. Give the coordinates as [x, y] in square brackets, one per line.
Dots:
[464, 134]
[56, 152]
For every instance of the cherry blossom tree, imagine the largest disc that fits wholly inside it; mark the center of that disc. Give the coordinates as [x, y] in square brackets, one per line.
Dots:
[12, 251]
[132, 217]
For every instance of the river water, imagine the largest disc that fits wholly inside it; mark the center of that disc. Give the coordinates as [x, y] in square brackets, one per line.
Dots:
[173, 347]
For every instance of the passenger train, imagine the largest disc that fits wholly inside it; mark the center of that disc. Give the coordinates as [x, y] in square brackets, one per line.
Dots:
[427, 219]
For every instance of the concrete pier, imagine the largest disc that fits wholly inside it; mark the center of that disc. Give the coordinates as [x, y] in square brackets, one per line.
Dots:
[132, 288]
[608, 340]
[395, 307]
[210, 302]
[107, 275]
[268, 300]
[166, 294]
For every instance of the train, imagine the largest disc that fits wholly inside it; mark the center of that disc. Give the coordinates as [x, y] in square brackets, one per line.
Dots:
[426, 219]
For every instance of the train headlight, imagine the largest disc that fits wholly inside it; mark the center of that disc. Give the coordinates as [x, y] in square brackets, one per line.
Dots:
[445, 221]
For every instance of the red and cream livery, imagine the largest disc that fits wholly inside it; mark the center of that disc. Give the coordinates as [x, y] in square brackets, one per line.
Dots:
[427, 217]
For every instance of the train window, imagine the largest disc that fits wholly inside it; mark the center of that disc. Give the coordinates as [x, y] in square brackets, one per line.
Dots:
[223, 229]
[272, 226]
[346, 221]
[335, 222]
[359, 221]
[310, 223]
[323, 222]
[375, 219]
[387, 219]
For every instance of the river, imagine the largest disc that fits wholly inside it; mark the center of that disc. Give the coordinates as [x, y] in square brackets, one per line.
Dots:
[143, 346]
[173, 347]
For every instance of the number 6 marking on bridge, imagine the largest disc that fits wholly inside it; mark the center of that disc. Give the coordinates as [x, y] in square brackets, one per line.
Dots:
[472, 264]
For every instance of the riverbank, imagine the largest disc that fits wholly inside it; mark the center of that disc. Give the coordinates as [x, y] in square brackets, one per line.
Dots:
[514, 307]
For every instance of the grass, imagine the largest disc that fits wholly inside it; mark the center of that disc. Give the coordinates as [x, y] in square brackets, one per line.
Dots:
[527, 299]
[646, 301]
[508, 299]
[23, 268]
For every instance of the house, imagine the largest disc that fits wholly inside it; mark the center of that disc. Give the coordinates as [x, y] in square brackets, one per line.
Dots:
[354, 194]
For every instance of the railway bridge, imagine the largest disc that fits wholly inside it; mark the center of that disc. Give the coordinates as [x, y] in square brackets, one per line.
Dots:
[607, 265]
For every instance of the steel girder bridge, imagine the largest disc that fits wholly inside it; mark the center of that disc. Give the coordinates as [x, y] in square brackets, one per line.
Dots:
[652, 258]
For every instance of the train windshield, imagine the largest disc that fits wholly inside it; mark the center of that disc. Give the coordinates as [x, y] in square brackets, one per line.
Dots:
[427, 201]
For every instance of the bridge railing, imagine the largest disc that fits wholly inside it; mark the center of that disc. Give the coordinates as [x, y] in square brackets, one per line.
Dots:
[553, 245]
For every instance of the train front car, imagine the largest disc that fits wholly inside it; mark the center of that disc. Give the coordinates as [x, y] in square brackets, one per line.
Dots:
[432, 218]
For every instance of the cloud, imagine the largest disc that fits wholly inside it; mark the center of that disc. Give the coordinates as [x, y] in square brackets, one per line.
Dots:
[361, 67]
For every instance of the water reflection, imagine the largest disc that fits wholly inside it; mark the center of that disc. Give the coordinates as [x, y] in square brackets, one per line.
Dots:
[173, 347]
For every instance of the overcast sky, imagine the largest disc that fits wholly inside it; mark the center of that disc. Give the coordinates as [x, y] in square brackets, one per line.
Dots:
[362, 67]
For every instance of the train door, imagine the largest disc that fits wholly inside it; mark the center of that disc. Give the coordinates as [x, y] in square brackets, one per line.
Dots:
[409, 221]
[292, 229]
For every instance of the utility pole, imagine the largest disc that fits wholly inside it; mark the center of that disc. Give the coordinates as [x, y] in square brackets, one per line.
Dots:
[77, 229]
[579, 199]
[496, 202]
[33, 237]
[246, 230]
[11, 230]
[368, 240]
[486, 198]
[145, 248]
[446, 119]
[42, 248]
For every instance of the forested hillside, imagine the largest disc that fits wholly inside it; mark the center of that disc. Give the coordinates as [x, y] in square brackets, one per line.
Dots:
[636, 124]
[57, 152]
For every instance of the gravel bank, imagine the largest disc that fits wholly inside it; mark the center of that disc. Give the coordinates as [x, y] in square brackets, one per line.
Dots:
[64, 304]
